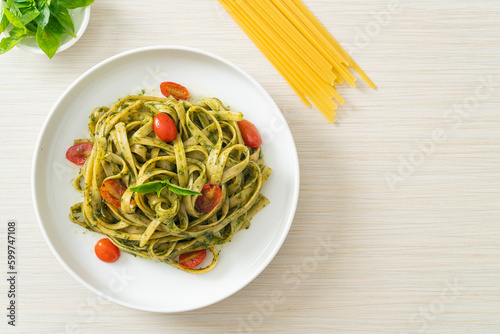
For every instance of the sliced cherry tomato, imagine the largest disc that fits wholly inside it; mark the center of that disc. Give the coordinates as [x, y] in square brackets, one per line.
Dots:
[106, 251]
[112, 192]
[250, 134]
[192, 259]
[79, 153]
[165, 127]
[211, 195]
[177, 91]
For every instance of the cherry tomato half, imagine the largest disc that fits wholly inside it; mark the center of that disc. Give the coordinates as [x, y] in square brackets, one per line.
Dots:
[250, 134]
[164, 127]
[106, 251]
[177, 91]
[79, 153]
[192, 259]
[112, 192]
[210, 197]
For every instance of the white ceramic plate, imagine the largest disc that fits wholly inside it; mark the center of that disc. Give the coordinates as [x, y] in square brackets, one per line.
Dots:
[140, 283]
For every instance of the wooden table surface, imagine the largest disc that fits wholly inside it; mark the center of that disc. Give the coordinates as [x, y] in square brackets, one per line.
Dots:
[405, 187]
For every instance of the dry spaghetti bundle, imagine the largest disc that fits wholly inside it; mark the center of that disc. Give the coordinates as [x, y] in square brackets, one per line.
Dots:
[299, 47]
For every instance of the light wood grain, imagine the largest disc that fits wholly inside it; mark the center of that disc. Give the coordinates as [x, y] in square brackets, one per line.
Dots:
[394, 250]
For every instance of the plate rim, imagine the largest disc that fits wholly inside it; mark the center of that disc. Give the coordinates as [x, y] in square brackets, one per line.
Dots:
[34, 188]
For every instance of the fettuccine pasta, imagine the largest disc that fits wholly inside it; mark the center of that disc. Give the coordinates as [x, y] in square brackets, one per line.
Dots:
[208, 149]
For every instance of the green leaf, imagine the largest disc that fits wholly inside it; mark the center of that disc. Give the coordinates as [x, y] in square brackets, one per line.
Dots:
[158, 186]
[49, 38]
[4, 21]
[16, 35]
[7, 43]
[147, 188]
[18, 17]
[61, 13]
[23, 3]
[179, 190]
[12, 15]
[44, 16]
[72, 4]
[29, 15]
[13, 6]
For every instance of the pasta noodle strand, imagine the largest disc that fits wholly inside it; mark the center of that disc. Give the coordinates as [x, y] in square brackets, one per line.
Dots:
[208, 149]
[308, 57]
